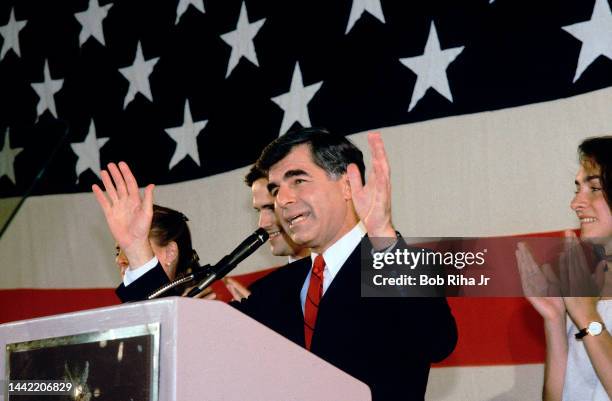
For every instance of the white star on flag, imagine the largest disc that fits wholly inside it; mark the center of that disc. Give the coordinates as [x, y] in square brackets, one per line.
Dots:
[10, 34]
[46, 91]
[595, 35]
[91, 22]
[88, 152]
[185, 137]
[295, 102]
[241, 40]
[359, 7]
[430, 68]
[7, 158]
[182, 6]
[138, 76]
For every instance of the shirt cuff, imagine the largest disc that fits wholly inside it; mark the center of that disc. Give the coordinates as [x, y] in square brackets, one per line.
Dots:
[386, 250]
[390, 248]
[132, 275]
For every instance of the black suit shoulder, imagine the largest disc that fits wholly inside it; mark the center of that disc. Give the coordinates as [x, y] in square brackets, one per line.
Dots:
[276, 285]
[140, 289]
[275, 300]
[290, 272]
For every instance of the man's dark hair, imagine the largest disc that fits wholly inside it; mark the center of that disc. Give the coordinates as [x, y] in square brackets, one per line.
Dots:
[333, 153]
[254, 174]
[597, 152]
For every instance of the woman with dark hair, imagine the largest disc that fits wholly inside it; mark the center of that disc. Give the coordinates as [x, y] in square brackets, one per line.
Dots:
[170, 240]
[154, 238]
[579, 349]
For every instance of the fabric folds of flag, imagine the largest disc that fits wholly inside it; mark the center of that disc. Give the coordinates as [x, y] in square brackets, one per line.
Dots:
[481, 105]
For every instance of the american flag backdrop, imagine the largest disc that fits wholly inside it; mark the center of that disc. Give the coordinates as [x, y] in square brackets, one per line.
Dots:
[481, 104]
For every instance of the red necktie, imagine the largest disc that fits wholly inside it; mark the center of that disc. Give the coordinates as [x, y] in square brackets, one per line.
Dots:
[315, 292]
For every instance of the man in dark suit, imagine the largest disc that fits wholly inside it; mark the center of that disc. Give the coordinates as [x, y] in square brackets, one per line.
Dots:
[322, 202]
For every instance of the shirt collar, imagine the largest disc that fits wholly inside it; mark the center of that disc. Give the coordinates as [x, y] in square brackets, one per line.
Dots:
[338, 253]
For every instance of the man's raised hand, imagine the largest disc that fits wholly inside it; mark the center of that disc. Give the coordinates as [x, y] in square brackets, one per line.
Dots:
[372, 201]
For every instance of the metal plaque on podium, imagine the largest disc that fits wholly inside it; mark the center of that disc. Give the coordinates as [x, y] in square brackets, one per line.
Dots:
[114, 364]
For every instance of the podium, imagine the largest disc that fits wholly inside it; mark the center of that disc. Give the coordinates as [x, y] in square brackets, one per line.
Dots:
[170, 349]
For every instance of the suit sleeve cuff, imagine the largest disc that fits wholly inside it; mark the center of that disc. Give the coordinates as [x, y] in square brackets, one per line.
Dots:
[133, 274]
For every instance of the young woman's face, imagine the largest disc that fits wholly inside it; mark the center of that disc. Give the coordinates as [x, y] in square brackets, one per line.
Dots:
[591, 207]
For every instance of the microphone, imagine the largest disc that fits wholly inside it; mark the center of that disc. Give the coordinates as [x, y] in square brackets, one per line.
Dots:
[229, 262]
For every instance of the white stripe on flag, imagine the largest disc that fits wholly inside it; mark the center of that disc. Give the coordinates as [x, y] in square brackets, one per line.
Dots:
[493, 173]
[500, 383]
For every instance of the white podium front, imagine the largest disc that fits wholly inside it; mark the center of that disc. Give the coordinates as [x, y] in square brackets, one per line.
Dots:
[206, 351]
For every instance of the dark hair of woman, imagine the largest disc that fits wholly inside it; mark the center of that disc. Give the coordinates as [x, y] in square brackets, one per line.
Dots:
[596, 153]
[171, 225]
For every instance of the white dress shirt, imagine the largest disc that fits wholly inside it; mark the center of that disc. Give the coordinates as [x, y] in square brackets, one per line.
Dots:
[334, 257]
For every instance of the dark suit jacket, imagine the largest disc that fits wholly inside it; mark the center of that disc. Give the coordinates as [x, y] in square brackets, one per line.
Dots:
[388, 343]
[147, 283]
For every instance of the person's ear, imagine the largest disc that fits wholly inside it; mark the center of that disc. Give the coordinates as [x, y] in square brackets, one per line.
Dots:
[353, 175]
[346, 187]
[172, 253]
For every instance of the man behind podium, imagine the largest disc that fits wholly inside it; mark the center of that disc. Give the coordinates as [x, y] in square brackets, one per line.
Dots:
[316, 179]
[322, 203]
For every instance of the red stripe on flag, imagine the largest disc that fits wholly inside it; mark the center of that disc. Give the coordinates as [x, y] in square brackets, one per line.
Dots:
[28, 303]
[492, 331]
[496, 331]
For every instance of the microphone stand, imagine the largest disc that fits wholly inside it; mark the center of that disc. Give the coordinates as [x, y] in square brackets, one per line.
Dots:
[203, 270]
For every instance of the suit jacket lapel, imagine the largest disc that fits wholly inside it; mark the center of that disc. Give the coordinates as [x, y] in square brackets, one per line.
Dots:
[345, 281]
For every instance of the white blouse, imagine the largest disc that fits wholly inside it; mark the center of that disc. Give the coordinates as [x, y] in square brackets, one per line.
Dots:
[581, 381]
